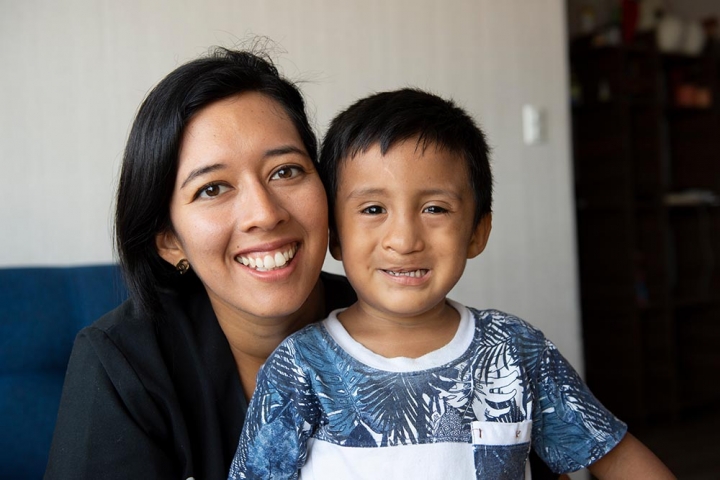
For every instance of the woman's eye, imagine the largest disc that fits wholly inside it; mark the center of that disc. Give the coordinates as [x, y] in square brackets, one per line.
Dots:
[434, 209]
[373, 210]
[211, 190]
[285, 172]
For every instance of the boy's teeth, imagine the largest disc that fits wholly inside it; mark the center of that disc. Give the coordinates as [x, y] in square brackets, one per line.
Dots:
[268, 262]
[414, 273]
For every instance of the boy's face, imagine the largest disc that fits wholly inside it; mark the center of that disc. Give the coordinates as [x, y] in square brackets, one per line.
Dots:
[405, 227]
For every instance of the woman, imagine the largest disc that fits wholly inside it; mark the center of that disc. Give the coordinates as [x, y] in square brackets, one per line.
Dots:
[221, 229]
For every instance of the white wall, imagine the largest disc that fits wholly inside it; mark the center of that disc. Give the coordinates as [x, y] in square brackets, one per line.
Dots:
[73, 73]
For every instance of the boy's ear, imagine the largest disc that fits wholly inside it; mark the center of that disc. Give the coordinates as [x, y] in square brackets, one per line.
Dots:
[480, 235]
[334, 245]
[169, 247]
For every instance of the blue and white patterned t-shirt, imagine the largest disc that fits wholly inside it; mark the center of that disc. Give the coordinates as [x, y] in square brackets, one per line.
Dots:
[326, 407]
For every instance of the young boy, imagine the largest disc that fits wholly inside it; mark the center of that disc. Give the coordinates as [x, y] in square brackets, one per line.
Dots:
[405, 383]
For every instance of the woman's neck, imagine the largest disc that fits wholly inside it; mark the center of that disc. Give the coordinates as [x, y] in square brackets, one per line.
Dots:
[253, 339]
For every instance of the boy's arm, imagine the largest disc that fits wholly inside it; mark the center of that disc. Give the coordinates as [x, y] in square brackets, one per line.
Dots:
[562, 395]
[631, 460]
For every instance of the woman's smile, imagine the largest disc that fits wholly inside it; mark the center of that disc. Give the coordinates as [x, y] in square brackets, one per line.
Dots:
[269, 260]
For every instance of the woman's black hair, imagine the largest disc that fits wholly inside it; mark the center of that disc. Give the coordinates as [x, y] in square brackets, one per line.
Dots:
[149, 166]
[388, 118]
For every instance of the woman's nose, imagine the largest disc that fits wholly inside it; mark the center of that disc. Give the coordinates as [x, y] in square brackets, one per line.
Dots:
[260, 208]
[403, 234]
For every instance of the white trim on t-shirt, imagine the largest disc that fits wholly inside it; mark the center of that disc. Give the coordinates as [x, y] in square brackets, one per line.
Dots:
[437, 358]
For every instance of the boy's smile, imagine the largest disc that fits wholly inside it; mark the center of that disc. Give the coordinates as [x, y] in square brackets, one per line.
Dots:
[420, 274]
[405, 227]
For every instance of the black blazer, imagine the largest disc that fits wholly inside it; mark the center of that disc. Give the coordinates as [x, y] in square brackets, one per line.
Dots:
[146, 399]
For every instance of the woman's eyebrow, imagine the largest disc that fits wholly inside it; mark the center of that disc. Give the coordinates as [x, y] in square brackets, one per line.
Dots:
[284, 150]
[202, 171]
[273, 152]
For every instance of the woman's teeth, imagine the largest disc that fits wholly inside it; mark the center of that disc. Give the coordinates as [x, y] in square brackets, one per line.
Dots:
[268, 262]
[414, 273]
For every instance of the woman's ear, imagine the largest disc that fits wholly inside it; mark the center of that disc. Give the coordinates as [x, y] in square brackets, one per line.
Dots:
[169, 247]
[480, 235]
[334, 244]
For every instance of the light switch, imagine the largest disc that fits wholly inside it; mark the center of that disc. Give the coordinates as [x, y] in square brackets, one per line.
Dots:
[534, 124]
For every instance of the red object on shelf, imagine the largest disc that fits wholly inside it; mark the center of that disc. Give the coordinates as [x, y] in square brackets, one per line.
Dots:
[630, 14]
[685, 95]
[703, 97]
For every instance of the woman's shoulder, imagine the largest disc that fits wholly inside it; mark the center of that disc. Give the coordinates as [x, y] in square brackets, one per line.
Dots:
[120, 340]
[126, 320]
[141, 376]
[138, 335]
[109, 330]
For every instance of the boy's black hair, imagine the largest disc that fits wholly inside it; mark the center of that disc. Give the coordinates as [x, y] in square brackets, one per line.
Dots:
[388, 118]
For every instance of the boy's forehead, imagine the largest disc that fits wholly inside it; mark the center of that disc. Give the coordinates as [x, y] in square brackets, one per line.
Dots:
[411, 154]
[405, 150]
[418, 143]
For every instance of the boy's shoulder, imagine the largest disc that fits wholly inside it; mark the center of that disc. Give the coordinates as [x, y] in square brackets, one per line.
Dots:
[311, 336]
[495, 326]
[487, 318]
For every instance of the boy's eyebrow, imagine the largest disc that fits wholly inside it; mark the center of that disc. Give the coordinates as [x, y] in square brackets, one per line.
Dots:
[370, 192]
[366, 192]
[442, 191]
[273, 152]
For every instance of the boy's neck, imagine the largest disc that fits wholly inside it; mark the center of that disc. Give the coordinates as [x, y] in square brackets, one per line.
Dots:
[399, 336]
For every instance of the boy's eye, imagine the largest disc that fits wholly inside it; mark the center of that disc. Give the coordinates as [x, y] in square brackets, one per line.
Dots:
[434, 209]
[286, 171]
[373, 210]
[211, 190]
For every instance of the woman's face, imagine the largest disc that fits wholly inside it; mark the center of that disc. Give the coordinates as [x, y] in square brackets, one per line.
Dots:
[248, 209]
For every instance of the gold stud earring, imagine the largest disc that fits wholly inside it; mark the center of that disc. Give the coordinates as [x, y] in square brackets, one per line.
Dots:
[182, 266]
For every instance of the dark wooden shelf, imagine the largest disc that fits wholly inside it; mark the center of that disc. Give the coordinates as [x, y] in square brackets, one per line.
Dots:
[696, 301]
[675, 110]
[649, 259]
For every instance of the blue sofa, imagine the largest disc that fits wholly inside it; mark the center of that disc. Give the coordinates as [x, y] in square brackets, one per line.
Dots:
[41, 311]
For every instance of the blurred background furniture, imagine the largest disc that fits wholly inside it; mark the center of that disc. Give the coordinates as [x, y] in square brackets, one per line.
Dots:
[646, 133]
[41, 311]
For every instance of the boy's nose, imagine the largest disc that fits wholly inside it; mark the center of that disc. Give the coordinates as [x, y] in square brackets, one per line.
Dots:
[259, 208]
[403, 235]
